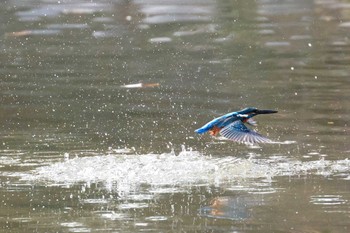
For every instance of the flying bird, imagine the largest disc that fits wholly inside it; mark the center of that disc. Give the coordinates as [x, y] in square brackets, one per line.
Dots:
[232, 126]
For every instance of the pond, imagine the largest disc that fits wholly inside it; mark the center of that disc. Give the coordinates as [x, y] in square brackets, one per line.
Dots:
[100, 100]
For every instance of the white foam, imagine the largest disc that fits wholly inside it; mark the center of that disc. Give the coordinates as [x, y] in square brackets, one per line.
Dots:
[170, 173]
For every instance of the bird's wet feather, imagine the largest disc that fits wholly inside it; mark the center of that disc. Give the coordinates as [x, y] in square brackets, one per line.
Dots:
[231, 126]
[238, 132]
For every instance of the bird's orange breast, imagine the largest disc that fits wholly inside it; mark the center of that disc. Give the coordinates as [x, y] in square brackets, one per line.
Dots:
[214, 131]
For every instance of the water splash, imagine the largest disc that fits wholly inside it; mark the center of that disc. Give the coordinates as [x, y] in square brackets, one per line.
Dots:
[127, 172]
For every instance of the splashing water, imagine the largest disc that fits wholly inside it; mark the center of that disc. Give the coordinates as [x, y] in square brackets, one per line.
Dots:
[127, 172]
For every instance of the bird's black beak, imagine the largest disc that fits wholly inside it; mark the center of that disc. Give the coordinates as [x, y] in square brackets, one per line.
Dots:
[265, 111]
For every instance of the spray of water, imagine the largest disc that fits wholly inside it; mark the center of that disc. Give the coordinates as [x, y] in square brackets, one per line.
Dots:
[127, 172]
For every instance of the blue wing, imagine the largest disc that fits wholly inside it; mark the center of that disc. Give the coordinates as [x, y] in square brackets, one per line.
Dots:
[238, 132]
[218, 122]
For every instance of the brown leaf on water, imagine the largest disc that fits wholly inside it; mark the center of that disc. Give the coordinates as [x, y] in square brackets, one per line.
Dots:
[19, 33]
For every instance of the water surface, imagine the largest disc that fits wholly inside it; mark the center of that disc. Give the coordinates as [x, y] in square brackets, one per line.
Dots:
[99, 101]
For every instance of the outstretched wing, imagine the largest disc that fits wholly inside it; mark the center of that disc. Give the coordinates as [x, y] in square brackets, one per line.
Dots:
[238, 132]
[218, 122]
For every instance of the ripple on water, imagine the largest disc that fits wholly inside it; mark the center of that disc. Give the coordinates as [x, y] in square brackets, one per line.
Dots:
[160, 40]
[157, 218]
[68, 26]
[331, 203]
[94, 201]
[136, 205]
[112, 215]
[164, 19]
[156, 14]
[327, 200]
[66, 8]
[75, 227]
[277, 43]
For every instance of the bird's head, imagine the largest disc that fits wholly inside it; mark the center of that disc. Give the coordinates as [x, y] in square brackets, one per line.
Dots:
[250, 112]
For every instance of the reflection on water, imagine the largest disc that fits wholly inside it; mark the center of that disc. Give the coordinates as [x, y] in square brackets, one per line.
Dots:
[79, 78]
[235, 208]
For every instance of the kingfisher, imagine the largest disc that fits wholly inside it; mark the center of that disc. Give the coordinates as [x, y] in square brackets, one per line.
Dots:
[232, 126]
